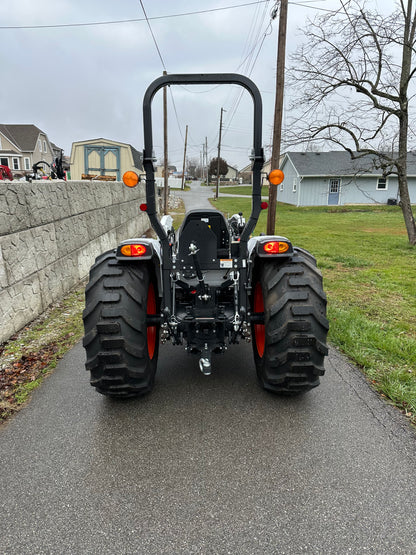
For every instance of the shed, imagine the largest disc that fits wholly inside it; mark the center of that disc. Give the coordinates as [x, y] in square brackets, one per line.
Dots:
[103, 157]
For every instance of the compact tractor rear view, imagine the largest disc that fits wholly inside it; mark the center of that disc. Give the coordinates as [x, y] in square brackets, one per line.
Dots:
[205, 287]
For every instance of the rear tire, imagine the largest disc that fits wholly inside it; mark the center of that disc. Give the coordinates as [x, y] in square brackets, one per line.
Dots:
[121, 349]
[289, 349]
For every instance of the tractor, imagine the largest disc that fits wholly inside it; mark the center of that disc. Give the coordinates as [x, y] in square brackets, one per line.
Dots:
[206, 286]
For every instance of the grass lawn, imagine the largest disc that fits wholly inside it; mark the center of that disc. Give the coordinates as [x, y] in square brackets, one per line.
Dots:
[242, 190]
[369, 274]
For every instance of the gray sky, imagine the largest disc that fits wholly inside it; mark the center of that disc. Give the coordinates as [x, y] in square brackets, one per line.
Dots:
[85, 82]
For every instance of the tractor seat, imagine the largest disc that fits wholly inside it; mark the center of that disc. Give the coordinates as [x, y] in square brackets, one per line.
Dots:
[208, 229]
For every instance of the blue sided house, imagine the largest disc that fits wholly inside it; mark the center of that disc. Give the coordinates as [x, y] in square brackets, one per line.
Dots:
[333, 178]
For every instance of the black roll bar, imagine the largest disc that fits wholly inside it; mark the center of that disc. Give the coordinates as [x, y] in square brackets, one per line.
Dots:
[258, 155]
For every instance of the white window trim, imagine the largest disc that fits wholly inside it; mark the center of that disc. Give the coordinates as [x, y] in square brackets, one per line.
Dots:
[44, 146]
[295, 185]
[14, 158]
[40, 145]
[382, 188]
[338, 179]
[26, 163]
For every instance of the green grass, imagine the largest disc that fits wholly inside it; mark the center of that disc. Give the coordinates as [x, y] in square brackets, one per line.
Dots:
[369, 274]
[241, 190]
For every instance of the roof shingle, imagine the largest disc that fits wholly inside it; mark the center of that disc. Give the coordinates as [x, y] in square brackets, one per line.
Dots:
[339, 163]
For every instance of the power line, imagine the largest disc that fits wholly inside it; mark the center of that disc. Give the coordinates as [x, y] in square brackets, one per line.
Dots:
[252, 63]
[304, 4]
[151, 32]
[307, 5]
[163, 65]
[176, 113]
[132, 20]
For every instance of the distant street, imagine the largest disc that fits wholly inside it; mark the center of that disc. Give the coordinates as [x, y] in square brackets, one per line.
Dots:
[197, 197]
[207, 465]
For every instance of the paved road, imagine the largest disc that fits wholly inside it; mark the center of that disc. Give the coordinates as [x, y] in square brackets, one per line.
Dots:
[197, 197]
[207, 465]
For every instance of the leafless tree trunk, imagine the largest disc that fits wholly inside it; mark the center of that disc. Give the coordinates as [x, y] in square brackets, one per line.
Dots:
[354, 74]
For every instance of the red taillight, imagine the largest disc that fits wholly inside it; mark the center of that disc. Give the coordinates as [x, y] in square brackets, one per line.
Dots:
[143, 207]
[133, 250]
[275, 247]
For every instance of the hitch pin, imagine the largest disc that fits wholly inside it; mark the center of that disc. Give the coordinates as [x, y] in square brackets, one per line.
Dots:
[205, 361]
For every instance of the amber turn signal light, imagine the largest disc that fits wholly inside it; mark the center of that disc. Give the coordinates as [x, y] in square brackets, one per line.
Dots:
[130, 179]
[275, 247]
[133, 250]
[276, 177]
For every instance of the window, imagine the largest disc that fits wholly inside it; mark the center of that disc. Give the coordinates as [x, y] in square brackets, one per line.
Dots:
[15, 163]
[4, 162]
[44, 147]
[295, 184]
[40, 145]
[382, 184]
[334, 186]
[281, 186]
[27, 163]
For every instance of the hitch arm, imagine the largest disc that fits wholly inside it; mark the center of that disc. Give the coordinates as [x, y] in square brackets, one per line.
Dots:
[193, 251]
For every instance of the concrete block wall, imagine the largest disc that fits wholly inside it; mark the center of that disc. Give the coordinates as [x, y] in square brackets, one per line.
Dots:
[50, 234]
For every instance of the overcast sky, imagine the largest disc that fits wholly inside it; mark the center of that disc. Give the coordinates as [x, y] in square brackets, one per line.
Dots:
[85, 82]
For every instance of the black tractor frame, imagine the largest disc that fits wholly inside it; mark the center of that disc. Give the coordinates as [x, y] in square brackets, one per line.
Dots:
[206, 286]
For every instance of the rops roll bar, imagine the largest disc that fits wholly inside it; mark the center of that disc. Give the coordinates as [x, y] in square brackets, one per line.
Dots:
[258, 155]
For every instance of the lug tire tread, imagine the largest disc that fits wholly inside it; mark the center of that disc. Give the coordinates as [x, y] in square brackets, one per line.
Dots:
[295, 325]
[115, 337]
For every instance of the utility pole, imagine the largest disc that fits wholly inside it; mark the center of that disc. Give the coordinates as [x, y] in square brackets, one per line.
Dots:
[165, 148]
[206, 161]
[278, 113]
[203, 162]
[217, 190]
[184, 159]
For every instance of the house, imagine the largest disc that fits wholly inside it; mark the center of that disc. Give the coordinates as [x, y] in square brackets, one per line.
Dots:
[245, 173]
[103, 157]
[332, 178]
[232, 173]
[22, 146]
[160, 170]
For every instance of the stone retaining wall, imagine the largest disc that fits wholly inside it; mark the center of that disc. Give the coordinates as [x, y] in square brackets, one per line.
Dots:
[50, 234]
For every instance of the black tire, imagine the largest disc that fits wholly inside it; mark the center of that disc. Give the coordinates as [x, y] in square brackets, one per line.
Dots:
[289, 349]
[121, 348]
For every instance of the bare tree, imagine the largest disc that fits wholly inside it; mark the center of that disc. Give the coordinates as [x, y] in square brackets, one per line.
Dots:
[354, 76]
[193, 167]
